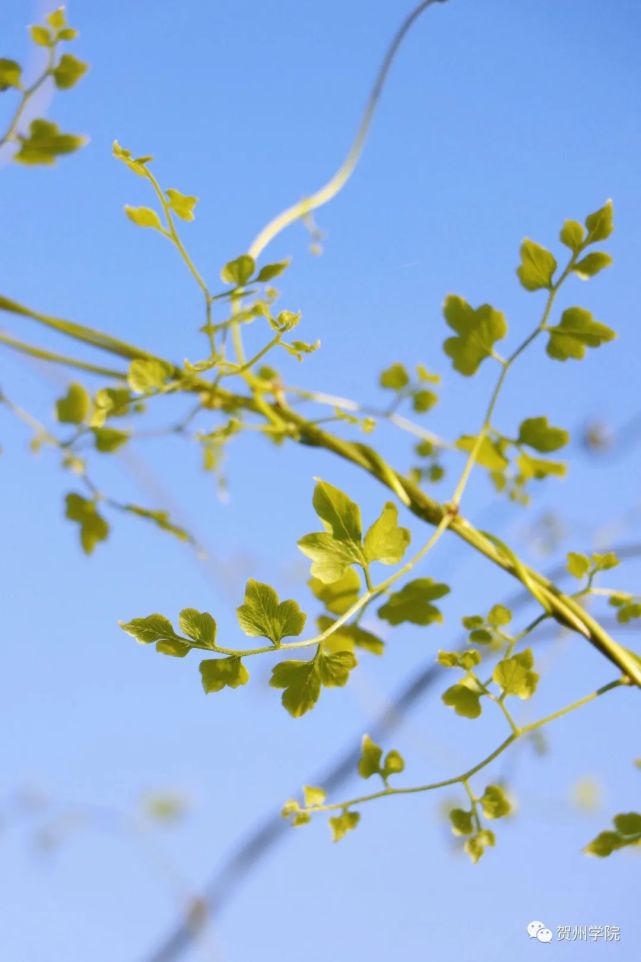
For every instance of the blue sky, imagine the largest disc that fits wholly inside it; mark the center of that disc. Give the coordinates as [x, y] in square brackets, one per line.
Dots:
[499, 121]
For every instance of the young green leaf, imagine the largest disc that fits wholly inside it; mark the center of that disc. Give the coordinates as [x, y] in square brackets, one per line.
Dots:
[572, 235]
[577, 331]
[301, 683]
[137, 164]
[592, 264]
[537, 267]
[395, 377]
[333, 550]
[45, 143]
[313, 796]
[74, 407]
[182, 204]
[41, 36]
[494, 802]
[578, 565]
[150, 629]
[262, 616]
[218, 673]
[463, 700]
[238, 271]
[109, 439]
[475, 846]
[339, 596]
[600, 224]
[342, 824]
[413, 603]
[536, 433]
[462, 821]
[385, 541]
[347, 637]
[334, 667]
[146, 376]
[144, 217]
[93, 527]
[478, 330]
[10, 73]
[199, 626]
[515, 676]
[370, 761]
[488, 455]
[68, 71]
[270, 271]
[394, 764]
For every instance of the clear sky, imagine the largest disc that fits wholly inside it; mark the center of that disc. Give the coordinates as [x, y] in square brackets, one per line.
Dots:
[499, 121]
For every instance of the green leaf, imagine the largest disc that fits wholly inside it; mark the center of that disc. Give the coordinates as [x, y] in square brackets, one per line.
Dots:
[93, 527]
[572, 235]
[370, 761]
[514, 675]
[489, 454]
[109, 439]
[459, 659]
[339, 596]
[538, 434]
[605, 561]
[463, 700]
[395, 377]
[218, 673]
[56, 19]
[394, 764]
[262, 616]
[10, 73]
[182, 204]
[423, 401]
[145, 376]
[462, 821]
[628, 823]
[494, 802]
[270, 271]
[238, 271]
[199, 626]
[578, 565]
[385, 541]
[600, 224]
[412, 603]
[537, 267]
[137, 164]
[313, 796]
[499, 615]
[577, 331]
[592, 264]
[475, 846]
[347, 637]
[334, 667]
[68, 71]
[150, 629]
[67, 33]
[530, 467]
[74, 407]
[161, 519]
[342, 824]
[333, 550]
[339, 514]
[301, 683]
[144, 217]
[45, 143]
[41, 36]
[478, 330]
[604, 844]
[330, 558]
